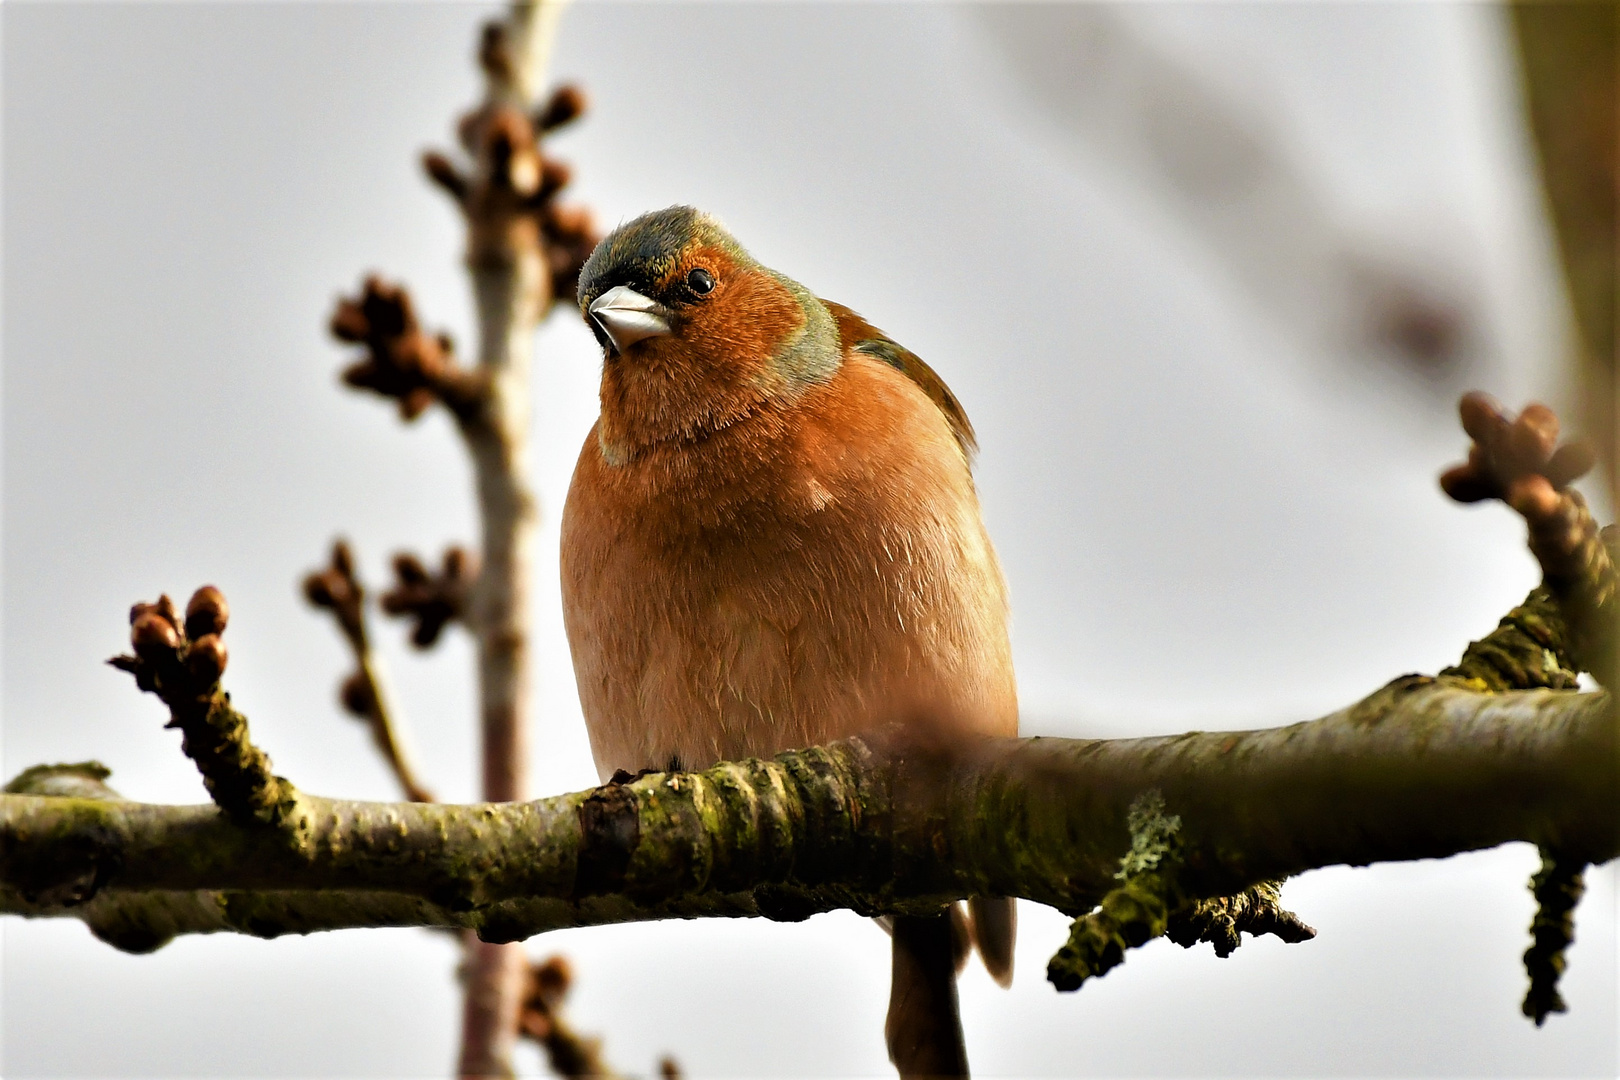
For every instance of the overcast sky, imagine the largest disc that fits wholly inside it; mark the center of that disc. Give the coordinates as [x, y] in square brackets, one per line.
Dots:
[1150, 248]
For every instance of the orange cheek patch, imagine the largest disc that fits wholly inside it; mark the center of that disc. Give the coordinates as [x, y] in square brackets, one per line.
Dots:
[717, 366]
[748, 320]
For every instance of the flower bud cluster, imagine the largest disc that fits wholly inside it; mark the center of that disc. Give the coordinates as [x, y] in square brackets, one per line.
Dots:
[1519, 461]
[402, 361]
[431, 600]
[509, 186]
[174, 656]
[1515, 459]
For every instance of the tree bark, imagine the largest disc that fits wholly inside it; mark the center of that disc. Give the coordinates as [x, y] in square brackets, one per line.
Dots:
[1422, 768]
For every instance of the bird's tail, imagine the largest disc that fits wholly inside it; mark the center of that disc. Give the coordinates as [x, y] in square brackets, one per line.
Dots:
[924, 1029]
[995, 931]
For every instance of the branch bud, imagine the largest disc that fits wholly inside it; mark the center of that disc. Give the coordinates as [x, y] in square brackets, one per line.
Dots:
[356, 695]
[153, 636]
[567, 104]
[206, 613]
[206, 659]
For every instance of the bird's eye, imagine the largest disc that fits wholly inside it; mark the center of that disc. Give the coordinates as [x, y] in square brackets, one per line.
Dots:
[700, 281]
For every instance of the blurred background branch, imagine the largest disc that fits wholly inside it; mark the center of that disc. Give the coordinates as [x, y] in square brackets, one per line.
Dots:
[1572, 100]
[364, 692]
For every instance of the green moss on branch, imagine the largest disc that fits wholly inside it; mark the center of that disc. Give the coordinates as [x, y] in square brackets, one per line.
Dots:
[1528, 649]
[1219, 920]
[1557, 888]
[1137, 910]
[1423, 768]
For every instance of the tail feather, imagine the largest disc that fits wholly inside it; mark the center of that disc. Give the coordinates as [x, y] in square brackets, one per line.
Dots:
[924, 1029]
[995, 931]
[961, 938]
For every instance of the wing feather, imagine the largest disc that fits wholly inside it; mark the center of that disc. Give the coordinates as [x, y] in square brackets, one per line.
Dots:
[856, 333]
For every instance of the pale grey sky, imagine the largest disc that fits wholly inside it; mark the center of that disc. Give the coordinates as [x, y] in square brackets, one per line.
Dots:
[1214, 501]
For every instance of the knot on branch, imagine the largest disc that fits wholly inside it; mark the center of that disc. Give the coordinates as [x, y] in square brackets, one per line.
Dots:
[1219, 920]
[508, 190]
[432, 601]
[338, 589]
[1519, 461]
[71, 871]
[182, 662]
[540, 1018]
[403, 362]
[77, 780]
[1151, 901]
[1557, 887]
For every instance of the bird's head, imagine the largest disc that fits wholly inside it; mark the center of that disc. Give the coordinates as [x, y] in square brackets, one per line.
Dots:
[695, 333]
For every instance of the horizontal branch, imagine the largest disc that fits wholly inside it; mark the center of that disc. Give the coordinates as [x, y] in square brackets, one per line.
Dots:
[1422, 768]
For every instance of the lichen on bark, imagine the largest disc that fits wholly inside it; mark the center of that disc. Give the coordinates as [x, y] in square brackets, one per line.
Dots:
[1135, 911]
[1422, 768]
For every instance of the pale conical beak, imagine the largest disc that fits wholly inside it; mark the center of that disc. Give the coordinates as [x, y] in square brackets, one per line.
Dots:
[628, 317]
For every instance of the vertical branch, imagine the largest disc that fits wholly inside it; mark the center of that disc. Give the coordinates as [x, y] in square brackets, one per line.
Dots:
[511, 292]
[491, 999]
[522, 253]
[533, 27]
[509, 310]
[1567, 52]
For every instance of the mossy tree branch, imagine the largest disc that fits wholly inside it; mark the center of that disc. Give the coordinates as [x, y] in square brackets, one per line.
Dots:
[1422, 768]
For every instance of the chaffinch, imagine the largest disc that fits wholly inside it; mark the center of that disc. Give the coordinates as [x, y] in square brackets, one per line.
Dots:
[772, 541]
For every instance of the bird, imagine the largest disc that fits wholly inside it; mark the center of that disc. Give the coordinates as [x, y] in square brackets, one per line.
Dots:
[773, 540]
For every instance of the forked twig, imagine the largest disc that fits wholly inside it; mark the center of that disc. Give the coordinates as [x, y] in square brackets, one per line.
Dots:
[364, 692]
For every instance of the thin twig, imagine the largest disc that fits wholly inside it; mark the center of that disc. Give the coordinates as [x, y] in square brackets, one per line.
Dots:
[365, 692]
[568, 1052]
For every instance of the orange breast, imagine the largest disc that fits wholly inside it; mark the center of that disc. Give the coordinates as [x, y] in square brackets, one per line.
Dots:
[811, 571]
